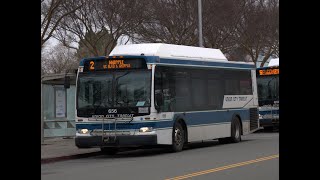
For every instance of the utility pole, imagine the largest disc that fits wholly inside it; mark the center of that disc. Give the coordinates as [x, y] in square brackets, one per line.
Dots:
[41, 113]
[200, 23]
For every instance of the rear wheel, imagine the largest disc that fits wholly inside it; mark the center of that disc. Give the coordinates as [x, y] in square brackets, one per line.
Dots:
[224, 140]
[178, 139]
[109, 150]
[268, 128]
[235, 132]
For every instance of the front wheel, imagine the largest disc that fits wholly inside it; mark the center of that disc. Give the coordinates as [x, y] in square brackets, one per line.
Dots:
[178, 139]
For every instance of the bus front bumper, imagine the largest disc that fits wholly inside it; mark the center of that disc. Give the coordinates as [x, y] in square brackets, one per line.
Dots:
[115, 141]
[268, 122]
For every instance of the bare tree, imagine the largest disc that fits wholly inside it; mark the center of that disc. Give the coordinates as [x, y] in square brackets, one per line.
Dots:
[169, 21]
[273, 13]
[239, 28]
[99, 24]
[52, 13]
[59, 60]
[220, 21]
[259, 29]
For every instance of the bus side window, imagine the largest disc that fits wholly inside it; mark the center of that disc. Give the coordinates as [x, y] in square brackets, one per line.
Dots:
[158, 83]
[199, 90]
[182, 90]
[215, 94]
[168, 90]
[162, 86]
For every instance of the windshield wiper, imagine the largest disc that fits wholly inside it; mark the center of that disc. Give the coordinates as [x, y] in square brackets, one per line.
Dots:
[270, 95]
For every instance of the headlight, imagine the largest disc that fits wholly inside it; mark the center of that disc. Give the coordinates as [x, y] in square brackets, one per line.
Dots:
[145, 129]
[83, 131]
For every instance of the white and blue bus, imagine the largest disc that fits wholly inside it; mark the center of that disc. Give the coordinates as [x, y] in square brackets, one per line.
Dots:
[268, 94]
[146, 95]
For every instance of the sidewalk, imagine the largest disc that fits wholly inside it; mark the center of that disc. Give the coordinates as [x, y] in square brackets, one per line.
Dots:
[59, 148]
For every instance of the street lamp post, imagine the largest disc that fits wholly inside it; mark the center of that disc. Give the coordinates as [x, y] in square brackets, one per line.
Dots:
[42, 113]
[200, 23]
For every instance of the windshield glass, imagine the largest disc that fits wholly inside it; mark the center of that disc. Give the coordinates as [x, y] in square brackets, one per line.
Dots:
[132, 89]
[114, 89]
[268, 89]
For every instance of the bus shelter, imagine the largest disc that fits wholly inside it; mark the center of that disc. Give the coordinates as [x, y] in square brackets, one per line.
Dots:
[58, 105]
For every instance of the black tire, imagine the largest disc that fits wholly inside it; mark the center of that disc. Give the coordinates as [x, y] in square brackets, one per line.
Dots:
[109, 150]
[235, 130]
[178, 137]
[268, 128]
[235, 133]
[224, 140]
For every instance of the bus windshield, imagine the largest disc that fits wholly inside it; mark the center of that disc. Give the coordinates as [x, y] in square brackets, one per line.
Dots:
[268, 89]
[126, 90]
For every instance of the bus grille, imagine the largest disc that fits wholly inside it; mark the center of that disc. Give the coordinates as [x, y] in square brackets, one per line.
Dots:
[253, 118]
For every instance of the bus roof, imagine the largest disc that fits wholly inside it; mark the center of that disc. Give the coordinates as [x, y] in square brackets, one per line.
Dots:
[274, 62]
[169, 51]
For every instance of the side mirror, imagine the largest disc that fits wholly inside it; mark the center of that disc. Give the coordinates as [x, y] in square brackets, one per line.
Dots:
[159, 101]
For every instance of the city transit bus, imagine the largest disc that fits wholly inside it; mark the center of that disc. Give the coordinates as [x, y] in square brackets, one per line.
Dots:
[268, 95]
[155, 94]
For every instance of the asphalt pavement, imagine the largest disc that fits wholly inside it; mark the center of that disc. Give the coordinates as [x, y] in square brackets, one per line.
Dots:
[256, 157]
[63, 148]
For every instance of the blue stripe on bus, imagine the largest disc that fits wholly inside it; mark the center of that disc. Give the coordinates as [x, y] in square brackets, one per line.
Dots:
[192, 118]
[205, 63]
[213, 117]
[132, 125]
[149, 59]
[156, 59]
[264, 112]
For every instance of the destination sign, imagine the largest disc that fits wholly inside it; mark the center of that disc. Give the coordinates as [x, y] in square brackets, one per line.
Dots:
[114, 64]
[266, 72]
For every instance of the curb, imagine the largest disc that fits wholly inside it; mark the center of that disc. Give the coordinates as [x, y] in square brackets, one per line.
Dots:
[63, 158]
